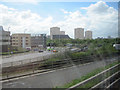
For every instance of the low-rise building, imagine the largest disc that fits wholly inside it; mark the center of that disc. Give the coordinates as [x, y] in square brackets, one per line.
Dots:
[4, 40]
[21, 40]
[38, 41]
[61, 37]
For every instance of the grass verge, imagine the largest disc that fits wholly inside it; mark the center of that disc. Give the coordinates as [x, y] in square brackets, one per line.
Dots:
[96, 71]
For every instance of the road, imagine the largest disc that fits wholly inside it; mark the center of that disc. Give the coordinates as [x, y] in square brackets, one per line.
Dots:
[56, 77]
[26, 56]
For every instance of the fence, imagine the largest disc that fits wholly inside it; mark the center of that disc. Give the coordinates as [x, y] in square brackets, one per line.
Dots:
[100, 75]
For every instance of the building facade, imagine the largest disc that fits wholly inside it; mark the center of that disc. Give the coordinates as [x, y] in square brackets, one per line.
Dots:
[88, 34]
[21, 40]
[79, 33]
[61, 37]
[4, 40]
[38, 41]
[54, 31]
[62, 32]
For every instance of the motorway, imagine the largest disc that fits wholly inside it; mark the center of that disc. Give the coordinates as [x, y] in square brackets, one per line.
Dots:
[26, 56]
[57, 77]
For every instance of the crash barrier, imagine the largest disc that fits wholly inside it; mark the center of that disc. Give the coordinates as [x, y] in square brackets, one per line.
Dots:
[104, 82]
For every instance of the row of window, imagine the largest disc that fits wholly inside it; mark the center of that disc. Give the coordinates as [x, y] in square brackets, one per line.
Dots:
[17, 40]
[4, 40]
[17, 44]
[17, 37]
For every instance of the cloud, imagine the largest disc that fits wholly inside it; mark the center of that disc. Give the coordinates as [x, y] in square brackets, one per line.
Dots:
[20, 20]
[99, 18]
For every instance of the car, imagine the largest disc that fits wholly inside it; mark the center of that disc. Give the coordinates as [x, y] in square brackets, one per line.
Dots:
[116, 46]
[40, 51]
[55, 51]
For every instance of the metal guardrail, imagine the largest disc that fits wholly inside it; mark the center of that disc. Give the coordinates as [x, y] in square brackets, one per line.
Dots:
[113, 83]
[107, 81]
[93, 77]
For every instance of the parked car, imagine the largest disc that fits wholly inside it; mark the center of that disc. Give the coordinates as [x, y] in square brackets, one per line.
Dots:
[40, 51]
[116, 46]
[55, 51]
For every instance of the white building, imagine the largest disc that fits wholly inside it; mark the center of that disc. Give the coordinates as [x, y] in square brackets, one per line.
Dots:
[88, 34]
[54, 31]
[79, 33]
[62, 32]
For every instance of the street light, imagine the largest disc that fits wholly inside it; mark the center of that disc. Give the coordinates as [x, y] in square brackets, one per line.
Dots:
[8, 41]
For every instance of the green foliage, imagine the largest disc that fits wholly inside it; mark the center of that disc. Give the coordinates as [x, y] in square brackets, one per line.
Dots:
[94, 72]
[79, 55]
[14, 52]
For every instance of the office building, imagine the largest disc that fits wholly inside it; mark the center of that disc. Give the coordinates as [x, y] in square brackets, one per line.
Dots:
[88, 34]
[54, 31]
[61, 37]
[62, 32]
[79, 33]
[4, 40]
[38, 41]
[21, 40]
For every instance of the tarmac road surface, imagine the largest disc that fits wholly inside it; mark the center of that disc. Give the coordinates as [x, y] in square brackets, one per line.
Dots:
[56, 77]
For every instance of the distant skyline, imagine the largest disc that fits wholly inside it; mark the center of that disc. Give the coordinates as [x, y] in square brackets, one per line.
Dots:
[99, 17]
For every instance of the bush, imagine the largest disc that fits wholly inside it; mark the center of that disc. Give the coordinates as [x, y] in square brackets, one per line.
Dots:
[78, 55]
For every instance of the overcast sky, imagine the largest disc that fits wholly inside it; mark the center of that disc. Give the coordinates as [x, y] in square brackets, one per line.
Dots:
[37, 17]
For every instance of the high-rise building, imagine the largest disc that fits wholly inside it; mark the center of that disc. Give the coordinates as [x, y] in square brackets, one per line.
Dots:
[88, 34]
[21, 40]
[79, 33]
[62, 32]
[4, 40]
[54, 31]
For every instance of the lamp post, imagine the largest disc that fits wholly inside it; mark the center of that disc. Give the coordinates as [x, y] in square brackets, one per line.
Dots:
[8, 41]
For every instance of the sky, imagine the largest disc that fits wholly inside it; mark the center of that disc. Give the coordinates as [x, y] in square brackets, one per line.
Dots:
[38, 17]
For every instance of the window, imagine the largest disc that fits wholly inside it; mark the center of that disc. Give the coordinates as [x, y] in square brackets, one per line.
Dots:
[13, 37]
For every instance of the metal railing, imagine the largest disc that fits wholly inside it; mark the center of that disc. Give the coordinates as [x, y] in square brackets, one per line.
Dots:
[99, 75]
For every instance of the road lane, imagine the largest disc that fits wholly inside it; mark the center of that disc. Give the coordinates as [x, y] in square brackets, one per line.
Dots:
[56, 78]
[26, 56]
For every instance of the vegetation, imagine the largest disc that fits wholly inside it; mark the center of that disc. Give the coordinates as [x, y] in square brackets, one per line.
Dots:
[96, 71]
[95, 42]
[13, 52]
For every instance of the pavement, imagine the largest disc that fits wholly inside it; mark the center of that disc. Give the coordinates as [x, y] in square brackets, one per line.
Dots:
[57, 77]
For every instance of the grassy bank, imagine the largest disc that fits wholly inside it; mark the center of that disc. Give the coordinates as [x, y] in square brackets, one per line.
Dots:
[14, 52]
[96, 71]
